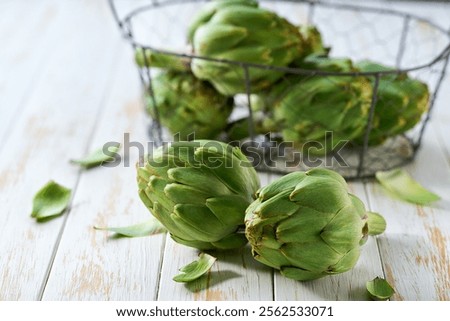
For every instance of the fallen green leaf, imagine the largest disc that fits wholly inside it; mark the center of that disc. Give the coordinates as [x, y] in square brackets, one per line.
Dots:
[98, 157]
[51, 200]
[196, 269]
[379, 289]
[146, 228]
[402, 185]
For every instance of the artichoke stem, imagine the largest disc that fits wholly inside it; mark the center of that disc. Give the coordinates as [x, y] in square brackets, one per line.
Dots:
[376, 223]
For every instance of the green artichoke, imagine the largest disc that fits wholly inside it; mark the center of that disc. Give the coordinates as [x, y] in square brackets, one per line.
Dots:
[239, 30]
[187, 105]
[307, 225]
[199, 191]
[313, 43]
[318, 111]
[401, 101]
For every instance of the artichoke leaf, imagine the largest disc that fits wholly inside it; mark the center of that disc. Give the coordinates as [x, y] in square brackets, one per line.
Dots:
[401, 185]
[379, 289]
[183, 194]
[98, 157]
[315, 257]
[150, 58]
[342, 233]
[346, 262]
[300, 274]
[50, 201]
[146, 228]
[198, 177]
[195, 269]
[201, 217]
[228, 209]
[287, 182]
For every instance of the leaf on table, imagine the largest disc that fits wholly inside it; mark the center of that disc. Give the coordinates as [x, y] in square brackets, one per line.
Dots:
[195, 269]
[379, 289]
[50, 201]
[99, 156]
[401, 185]
[147, 228]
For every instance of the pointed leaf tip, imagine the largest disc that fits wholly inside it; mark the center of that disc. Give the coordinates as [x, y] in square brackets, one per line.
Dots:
[147, 228]
[379, 289]
[195, 269]
[403, 186]
[50, 201]
[98, 157]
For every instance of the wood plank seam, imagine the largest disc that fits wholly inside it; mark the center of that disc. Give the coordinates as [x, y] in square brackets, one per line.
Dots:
[28, 92]
[35, 74]
[269, 178]
[439, 133]
[369, 206]
[107, 88]
[160, 267]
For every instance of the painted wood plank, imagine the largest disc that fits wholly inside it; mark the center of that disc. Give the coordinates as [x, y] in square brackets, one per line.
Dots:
[441, 126]
[102, 264]
[90, 265]
[440, 120]
[415, 248]
[235, 276]
[57, 124]
[346, 286]
[29, 32]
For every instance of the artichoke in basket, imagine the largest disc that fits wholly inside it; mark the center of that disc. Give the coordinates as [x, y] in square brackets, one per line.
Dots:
[150, 58]
[199, 191]
[307, 225]
[401, 101]
[313, 43]
[320, 113]
[187, 105]
[240, 31]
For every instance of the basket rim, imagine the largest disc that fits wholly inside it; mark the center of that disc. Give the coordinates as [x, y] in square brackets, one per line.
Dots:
[125, 25]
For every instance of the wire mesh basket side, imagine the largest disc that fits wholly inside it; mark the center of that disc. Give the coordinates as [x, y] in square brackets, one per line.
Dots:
[359, 159]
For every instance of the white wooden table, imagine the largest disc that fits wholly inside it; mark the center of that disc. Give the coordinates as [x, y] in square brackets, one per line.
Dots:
[67, 85]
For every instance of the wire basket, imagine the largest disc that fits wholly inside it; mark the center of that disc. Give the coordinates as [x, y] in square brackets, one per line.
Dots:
[409, 43]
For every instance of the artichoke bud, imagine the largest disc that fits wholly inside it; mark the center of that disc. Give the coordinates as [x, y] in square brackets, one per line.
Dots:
[307, 225]
[208, 11]
[199, 191]
[320, 113]
[241, 31]
[401, 101]
[187, 105]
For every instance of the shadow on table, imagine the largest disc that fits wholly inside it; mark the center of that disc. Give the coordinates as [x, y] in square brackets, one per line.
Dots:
[210, 279]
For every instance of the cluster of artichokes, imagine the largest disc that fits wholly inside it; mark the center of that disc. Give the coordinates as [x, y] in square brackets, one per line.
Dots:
[207, 194]
[234, 38]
